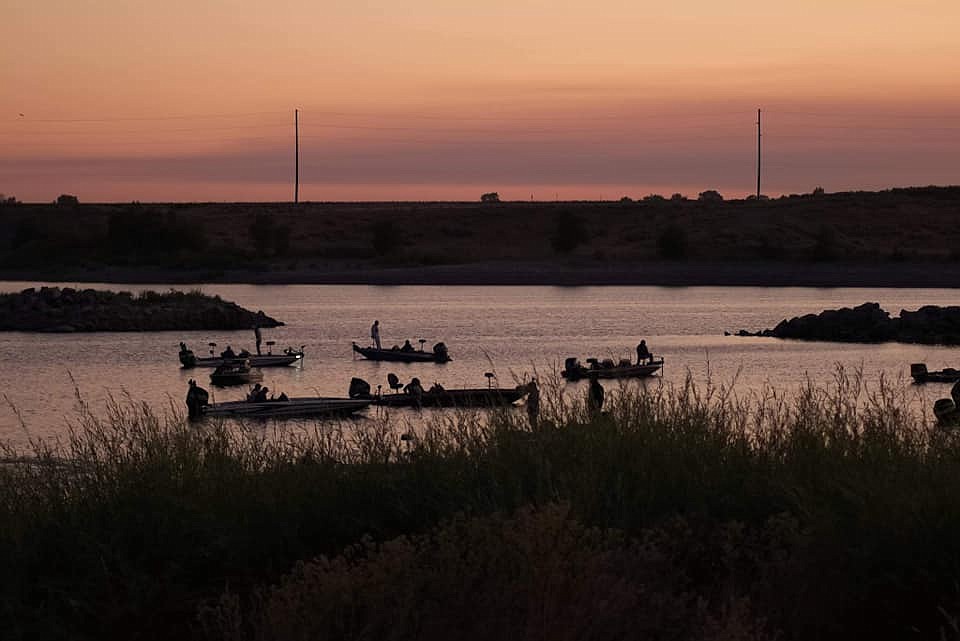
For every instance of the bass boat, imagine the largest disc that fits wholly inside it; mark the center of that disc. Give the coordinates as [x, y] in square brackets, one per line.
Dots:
[574, 371]
[438, 355]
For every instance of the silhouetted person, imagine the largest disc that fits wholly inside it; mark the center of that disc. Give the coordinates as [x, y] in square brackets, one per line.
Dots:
[413, 387]
[643, 354]
[375, 333]
[228, 353]
[197, 397]
[595, 395]
[533, 402]
[258, 337]
[407, 347]
[254, 393]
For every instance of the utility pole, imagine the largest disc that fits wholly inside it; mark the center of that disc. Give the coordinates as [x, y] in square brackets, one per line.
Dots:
[296, 152]
[758, 154]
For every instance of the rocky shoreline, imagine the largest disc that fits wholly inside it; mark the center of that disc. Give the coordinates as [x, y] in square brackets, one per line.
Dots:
[52, 309]
[869, 323]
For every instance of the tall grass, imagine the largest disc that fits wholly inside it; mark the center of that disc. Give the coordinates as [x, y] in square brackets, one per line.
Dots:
[828, 513]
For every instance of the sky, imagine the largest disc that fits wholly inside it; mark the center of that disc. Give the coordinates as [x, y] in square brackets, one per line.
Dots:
[120, 100]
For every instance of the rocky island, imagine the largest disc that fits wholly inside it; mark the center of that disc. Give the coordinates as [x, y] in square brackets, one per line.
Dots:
[52, 309]
[869, 323]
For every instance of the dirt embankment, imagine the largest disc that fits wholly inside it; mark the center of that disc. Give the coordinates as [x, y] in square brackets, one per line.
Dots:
[902, 238]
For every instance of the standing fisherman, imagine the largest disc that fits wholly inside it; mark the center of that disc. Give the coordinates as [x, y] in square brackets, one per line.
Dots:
[533, 402]
[595, 396]
[375, 333]
[257, 336]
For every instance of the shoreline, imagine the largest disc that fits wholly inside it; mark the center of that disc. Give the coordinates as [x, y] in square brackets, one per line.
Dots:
[663, 274]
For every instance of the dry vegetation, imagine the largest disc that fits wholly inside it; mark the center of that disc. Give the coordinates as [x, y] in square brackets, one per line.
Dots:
[902, 225]
[679, 514]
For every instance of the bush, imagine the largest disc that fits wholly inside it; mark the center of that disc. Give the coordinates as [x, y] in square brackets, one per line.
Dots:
[386, 238]
[569, 232]
[491, 197]
[710, 196]
[66, 200]
[672, 242]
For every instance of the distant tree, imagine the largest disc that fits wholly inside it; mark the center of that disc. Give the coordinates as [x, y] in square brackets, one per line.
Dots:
[626, 199]
[66, 200]
[491, 197]
[261, 233]
[281, 240]
[818, 191]
[654, 198]
[569, 232]
[825, 244]
[678, 197]
[386, 238]
[672, 242]
[710, 195]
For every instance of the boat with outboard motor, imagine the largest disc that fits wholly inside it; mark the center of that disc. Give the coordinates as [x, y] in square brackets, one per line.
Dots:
[574, 371]
[414, 395]
[236, 372]
[198, 406]
[289, 356]
[921, 374]
[399, 355]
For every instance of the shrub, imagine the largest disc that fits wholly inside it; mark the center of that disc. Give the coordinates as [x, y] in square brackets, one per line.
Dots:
[66, 200]
[491, 197]
[386, 238]
[569, 232]
[672, 242]
[710, 196]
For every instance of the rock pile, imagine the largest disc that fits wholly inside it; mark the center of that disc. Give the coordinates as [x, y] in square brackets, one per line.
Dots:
[52, 309]
[869, 323]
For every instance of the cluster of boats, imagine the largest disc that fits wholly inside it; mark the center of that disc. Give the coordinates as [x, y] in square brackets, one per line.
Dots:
[243, 369]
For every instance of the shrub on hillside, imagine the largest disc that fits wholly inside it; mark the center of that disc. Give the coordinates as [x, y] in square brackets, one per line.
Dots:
[569, 232]
[386, 238]
[672, 242]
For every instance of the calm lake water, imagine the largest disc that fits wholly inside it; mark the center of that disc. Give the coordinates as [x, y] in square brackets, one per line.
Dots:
[509, 330]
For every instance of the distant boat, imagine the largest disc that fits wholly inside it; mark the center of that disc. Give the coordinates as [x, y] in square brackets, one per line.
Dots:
[235, 373]
[438, 396]
[575, 371]
[290, 356]
[920, 374]
[438, 355]
[305, 407]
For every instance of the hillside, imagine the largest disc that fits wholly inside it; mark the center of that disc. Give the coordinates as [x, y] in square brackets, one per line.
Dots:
[898, 232]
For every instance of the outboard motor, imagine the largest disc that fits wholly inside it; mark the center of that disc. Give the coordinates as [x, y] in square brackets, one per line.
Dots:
[359, 388]
[440, 351]
[197, 399]
[572, 364]
[918, 371]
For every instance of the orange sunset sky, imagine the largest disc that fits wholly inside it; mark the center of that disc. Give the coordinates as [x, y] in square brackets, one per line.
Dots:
[433, 99]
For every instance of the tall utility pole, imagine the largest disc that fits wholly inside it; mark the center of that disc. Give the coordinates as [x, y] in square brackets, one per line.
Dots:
[758, 154]
[296, 153]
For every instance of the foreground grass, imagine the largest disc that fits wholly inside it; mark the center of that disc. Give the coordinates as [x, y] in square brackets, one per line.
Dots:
[681, 513]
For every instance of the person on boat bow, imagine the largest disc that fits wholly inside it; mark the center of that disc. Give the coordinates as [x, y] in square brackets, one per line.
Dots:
[407, 347]
[228, 353]
[257, 337]
[197, 397]
[375, 333]
[643, 354]
[414, 388]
